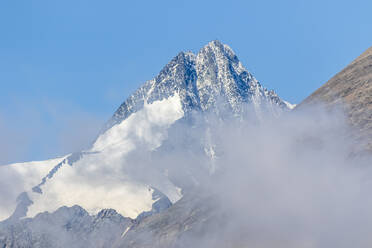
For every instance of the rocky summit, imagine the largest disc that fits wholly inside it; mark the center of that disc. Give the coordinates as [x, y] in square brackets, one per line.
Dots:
[212, 80]
[62, 199]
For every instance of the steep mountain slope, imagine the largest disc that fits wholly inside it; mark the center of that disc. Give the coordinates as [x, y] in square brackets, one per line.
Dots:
[353, 88]
[108, 175]
[213, 80]
[188, 220]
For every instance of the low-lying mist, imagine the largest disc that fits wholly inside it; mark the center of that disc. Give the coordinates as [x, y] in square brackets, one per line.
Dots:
[293, 181]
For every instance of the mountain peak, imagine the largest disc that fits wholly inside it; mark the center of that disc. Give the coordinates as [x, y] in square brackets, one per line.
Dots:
[214, 44]
[212, 80]
[181, 56]
[213, 48]
[219, 50]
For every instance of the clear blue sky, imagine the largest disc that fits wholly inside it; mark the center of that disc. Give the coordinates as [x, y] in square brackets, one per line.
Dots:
[65, 66]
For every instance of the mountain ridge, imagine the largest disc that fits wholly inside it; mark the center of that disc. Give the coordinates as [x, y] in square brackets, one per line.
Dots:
[186, 220]
[193, 74]
[211, 81]
[350, 89]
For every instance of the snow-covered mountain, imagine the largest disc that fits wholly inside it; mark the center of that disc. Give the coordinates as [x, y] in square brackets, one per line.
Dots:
[106, 176]
[208, 81]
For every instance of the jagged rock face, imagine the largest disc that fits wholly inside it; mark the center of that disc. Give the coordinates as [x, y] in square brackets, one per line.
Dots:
[74, 227]
[213, 80]
[66, 227]
[161, 203]
[181, 224]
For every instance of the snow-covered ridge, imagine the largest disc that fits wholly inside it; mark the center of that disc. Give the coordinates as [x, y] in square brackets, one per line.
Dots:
[99, 179]
[212, 80]
[290, 105]
[20, 177]
[105, 176]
